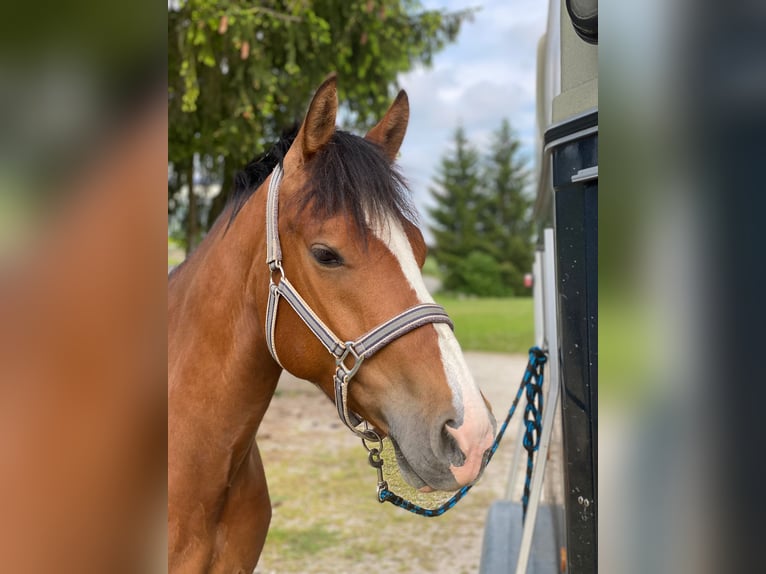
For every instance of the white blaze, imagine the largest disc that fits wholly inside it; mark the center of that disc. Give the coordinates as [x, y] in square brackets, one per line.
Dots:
[466, 397]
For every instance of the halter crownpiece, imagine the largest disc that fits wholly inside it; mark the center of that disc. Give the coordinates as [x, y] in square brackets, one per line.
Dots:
[356, 351]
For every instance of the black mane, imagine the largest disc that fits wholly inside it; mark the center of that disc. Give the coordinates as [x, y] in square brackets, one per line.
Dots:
[350, 174]
[249, 179]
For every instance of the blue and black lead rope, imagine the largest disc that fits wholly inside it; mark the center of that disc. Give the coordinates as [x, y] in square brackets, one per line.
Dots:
[532, 382]
[533, 426]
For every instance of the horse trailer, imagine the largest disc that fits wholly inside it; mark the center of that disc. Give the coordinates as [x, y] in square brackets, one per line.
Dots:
[559, 532]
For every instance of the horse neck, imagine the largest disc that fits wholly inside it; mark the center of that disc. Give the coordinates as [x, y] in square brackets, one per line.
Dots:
[218, 361]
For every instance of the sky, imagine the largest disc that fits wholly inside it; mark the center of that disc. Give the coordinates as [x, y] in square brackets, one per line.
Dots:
[488, 74]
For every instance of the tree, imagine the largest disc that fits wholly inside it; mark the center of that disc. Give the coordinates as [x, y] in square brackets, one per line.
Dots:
[507, 214]
[240, 72]
[456, 214]
[481, 221]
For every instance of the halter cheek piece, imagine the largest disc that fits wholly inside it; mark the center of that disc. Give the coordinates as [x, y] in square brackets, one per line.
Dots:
[356, 351]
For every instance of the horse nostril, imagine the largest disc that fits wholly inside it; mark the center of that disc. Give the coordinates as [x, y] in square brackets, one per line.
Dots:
[452, 423]
[451, 451]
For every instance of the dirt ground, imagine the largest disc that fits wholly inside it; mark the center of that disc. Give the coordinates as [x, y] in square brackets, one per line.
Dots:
[325, 517]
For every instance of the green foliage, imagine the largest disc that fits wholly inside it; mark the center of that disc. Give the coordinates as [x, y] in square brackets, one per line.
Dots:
[482, 219]
[480, 274]
[508, 210]
[457, 210]
[240, 73]
[431, 267]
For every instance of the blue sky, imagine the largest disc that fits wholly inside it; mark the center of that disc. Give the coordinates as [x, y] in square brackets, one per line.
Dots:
[488, 74]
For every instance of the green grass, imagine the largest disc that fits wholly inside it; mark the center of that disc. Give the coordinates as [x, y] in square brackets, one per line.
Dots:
[303, 542]
[325, 512]
[302, 532]
[497, 325]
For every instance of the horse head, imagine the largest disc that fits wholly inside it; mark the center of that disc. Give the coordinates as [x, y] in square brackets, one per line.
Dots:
[350, 248]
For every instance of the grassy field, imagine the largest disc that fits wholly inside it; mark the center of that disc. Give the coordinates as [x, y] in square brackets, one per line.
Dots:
[325, 515]
[497, 325]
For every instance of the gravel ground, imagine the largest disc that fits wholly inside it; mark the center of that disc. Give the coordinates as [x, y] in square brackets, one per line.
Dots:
[301, 430]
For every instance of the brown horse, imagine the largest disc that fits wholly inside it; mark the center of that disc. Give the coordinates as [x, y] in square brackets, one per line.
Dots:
[334, 217]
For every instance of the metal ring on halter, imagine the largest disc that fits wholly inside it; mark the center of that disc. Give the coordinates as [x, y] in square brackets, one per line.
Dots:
[375, 437]
[348, 349]
[276, 266]
[368, 434]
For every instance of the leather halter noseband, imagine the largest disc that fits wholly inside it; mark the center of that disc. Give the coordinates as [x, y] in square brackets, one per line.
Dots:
[358, 350]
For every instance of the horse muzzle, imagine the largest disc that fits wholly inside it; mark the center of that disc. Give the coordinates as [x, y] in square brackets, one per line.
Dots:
[443, 457]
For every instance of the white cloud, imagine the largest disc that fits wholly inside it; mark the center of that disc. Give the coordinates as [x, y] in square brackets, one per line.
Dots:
[487, 75]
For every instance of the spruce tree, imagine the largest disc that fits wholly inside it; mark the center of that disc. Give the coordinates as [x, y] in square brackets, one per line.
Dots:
[506, 214]
[455, 216]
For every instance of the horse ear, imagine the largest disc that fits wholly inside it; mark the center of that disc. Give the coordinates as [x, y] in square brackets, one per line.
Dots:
[389, 132]
[319, 124]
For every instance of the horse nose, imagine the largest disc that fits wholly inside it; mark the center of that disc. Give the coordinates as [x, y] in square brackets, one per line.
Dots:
[464, 446]
[445, 446]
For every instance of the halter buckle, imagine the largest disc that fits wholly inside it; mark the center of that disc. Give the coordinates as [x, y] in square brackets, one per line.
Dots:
[340, 362]
[276, 266]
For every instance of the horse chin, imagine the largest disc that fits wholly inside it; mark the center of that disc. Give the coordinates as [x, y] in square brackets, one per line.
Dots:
[409, 474]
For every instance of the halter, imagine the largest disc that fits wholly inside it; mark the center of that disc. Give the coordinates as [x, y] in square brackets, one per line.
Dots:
[357, 351]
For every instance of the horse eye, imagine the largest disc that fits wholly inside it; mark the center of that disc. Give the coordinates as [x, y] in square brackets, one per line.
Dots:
[326, 256]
